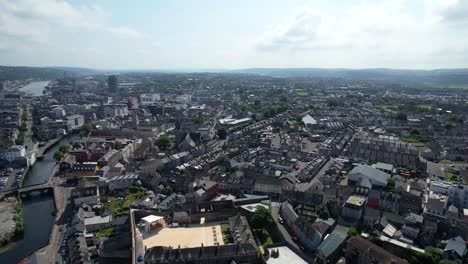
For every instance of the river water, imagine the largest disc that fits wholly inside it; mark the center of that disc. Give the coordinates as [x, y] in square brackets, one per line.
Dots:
[35, 88]
[38, 218]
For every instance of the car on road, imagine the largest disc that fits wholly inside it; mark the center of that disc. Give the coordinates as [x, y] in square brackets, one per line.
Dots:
[294, 238]
[140, 257]
[280, 220]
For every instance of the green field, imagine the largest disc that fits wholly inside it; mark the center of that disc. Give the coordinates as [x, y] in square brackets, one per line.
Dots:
[457, 86]
[385, 106]
[425, 106]
[302, 93]
[415, 141]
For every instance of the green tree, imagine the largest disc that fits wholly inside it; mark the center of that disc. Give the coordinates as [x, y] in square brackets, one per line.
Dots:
[262, 218]
[20, 139]
[390, 184]
[58, 155]
[65, 148]
[86, 129]
[163, 142]
[322, 211]
[352, 231]
[222, 133]
[414, 132]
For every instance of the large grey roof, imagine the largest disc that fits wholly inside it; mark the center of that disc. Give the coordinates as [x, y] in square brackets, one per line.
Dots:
[330, 244]
[375, 176]
[458, 246]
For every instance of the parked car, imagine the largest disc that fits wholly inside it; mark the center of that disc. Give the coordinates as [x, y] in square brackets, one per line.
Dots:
[280, 220]
[140, 257]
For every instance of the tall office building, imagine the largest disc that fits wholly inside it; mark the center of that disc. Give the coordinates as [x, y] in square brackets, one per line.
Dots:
[112, 84]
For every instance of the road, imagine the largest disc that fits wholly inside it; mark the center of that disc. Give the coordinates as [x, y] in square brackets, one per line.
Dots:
[439, 169]
[275, 213]
[61, 196]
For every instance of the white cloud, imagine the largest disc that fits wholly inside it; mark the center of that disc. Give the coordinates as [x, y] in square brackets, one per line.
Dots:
[390, 32]
[39, 21]
[126, 32]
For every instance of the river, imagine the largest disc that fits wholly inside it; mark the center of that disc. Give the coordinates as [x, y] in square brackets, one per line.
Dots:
[35, 88]
[38, 218]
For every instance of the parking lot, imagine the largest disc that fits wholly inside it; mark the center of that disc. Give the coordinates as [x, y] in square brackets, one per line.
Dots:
[10, 178]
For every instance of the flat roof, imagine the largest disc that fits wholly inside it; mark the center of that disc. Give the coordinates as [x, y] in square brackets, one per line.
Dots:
[401, 244]
[355, 200]
[185, 237]
[286, 255]
[152, 218]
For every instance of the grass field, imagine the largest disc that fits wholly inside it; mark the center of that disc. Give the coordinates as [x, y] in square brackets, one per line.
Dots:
[452, 177]
[425, 106]
[302, 93]
[386, 106]
[414, 141]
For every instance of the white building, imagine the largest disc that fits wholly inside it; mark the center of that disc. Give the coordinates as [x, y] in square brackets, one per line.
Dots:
[116, 110]
[457, 194]
[14, 152]
[147, 99]
[184, 99]
[58, 112]
[75, 122]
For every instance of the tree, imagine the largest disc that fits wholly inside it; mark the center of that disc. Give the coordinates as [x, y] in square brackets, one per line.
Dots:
[85, 129]
[322, 211]
[20, 139]
[262, 218]
[352, 231]
[390, 184]
[58, 155]
[414, 132]
[222, 133]
[163, 142]
[65, 148]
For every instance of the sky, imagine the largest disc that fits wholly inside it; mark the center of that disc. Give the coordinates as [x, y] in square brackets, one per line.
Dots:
[215, 34]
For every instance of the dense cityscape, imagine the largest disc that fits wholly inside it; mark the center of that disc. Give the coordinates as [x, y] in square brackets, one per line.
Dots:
[234, 132]
[236, 167]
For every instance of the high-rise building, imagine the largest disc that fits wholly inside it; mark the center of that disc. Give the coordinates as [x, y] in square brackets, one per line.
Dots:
[112, 84]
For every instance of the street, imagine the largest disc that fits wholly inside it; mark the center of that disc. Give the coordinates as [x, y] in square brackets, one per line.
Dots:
[275, 213]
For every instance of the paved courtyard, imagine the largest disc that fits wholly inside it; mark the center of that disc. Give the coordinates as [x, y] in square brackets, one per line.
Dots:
[186, 237]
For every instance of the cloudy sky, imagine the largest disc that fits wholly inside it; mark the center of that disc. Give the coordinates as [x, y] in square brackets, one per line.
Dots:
[214, 34]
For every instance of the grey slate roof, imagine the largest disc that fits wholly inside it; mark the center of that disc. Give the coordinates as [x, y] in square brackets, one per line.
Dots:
[457, 246]
[330, 244]
[375, 176]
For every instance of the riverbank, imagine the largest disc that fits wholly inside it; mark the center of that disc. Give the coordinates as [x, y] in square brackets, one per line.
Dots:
[11, 223]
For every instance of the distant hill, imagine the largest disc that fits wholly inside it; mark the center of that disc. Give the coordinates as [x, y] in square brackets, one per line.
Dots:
[439, 76]
[45, 73]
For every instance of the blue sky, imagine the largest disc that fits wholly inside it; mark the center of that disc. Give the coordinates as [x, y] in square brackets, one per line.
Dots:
[215, 34]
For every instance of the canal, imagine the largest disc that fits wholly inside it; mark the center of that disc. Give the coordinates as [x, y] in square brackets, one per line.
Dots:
[38, 218]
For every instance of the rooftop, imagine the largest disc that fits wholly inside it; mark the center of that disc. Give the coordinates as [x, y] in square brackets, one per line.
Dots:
[286, 255]
[185, 237]
[355, 200]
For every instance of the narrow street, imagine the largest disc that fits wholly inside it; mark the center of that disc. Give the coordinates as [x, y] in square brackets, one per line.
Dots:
[275, 207]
